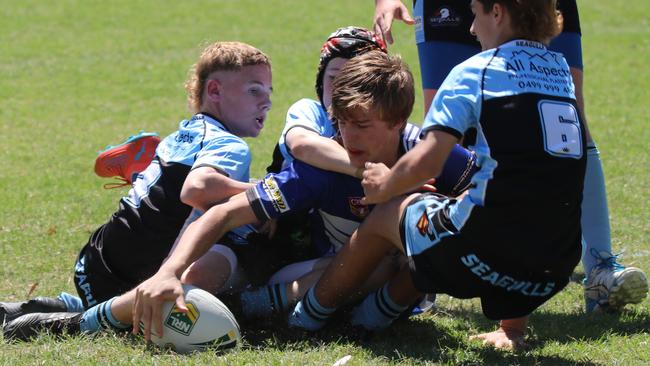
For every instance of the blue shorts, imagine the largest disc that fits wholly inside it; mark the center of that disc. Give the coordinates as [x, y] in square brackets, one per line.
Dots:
[472, 262]
[570, 45]
[434, 67]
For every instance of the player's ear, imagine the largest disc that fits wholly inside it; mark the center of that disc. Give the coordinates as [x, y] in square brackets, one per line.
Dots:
[498, 12]
[213, 90]
[399, 125]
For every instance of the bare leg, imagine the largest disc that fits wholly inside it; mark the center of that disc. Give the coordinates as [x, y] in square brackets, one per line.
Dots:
[428, 95]
[381, 274]
[122, 306]
[374, 239]
[202, 273]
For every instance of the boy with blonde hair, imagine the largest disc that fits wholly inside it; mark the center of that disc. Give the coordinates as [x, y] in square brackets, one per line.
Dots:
[203, 162]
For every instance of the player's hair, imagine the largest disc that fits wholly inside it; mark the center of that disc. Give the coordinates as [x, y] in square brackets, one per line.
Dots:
[536, 20]
[220, 56]
[374, 82]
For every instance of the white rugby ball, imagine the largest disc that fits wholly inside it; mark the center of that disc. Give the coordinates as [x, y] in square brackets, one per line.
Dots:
[208, 323]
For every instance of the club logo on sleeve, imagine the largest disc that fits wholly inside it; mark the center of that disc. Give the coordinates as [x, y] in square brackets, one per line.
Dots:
[182, 322]
[357, 208]
[423, 224]
[275, 194]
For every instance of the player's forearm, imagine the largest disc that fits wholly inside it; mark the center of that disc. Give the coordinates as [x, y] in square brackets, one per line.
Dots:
[196, 240]
[213, 195]
[205, 187]
[321, 152]
[412, 171]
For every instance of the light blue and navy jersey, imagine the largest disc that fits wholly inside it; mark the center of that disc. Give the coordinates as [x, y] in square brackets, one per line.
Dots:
[310, 114]
[519, 101]
[150, 217]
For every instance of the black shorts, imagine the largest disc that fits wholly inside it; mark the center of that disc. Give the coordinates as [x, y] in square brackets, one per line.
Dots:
[93, 279]
[439, 20]
[443, 259]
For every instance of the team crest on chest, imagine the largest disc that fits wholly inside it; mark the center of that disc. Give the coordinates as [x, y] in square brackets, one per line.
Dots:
[357, 208]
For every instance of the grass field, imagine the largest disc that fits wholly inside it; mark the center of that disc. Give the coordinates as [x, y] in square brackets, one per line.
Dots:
[78, 75]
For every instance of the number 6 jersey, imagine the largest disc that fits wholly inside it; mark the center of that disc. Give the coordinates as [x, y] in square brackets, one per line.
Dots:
[518, 100]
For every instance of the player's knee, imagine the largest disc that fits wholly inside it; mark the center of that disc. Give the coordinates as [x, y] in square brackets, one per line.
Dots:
[209, 275]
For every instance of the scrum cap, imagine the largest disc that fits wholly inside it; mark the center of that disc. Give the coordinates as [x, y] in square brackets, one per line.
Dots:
[345, 42]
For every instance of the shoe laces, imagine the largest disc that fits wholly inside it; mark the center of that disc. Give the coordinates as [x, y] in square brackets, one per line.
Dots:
[607, 259]
[113, 185]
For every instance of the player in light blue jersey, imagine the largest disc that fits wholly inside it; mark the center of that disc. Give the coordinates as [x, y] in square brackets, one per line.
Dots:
[443, 42]
[202, 163]
[514, 238]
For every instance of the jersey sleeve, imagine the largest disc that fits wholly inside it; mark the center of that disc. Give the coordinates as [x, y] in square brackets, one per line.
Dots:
[229, 155]
[297, 187]
[410, 136]
[307, 114]
[456, 106]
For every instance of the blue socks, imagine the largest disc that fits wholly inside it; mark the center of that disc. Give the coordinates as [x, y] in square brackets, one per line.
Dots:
[72, 303]
[596, 234]
[264, 301]
[309, 314]
[100, 317]
[377, 311]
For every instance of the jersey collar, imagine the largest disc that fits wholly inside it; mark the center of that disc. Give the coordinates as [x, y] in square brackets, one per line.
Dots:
[523, 43]
[210, 119]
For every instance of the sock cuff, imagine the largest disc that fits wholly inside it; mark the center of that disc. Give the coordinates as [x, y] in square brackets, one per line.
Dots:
[278, 293]
[386, 305]
[107, 317]
[314, 308]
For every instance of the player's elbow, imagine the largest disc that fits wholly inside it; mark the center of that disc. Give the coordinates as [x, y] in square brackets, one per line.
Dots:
[301, 143]
[302, 150]
[192, 195]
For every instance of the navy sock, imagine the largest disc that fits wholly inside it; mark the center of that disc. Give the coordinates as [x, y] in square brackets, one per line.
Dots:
[101, 317]
[264, 301]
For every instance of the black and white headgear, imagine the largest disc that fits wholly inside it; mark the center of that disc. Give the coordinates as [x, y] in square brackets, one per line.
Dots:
[345, 42]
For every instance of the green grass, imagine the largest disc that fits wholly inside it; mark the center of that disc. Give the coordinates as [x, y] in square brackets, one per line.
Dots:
[78, 75]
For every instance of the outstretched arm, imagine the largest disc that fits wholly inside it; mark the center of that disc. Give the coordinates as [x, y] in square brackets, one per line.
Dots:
[165, 285]
[385, 12]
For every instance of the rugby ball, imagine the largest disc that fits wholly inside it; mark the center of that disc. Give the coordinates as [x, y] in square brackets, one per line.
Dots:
[208, 323]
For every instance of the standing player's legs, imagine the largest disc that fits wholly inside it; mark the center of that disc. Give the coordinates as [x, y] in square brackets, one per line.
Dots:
[437, 58]
[608, 285]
